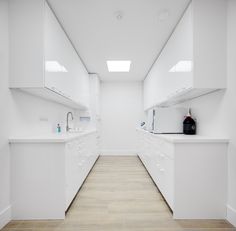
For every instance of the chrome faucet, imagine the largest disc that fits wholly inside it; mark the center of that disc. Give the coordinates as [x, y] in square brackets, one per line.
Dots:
[67, 120]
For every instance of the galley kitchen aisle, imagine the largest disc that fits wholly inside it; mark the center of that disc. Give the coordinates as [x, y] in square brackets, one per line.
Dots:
[146, 55]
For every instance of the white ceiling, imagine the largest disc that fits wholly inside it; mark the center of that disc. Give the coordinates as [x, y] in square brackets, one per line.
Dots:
[98, 36]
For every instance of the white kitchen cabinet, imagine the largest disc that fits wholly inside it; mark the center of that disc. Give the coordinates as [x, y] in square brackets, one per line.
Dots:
[47, 173]
[95, 89]
[190, 172]
[80, 157]
[192, 63]
[43, 61]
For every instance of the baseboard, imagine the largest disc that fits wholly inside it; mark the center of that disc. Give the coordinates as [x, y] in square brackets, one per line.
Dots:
[5, 216]
[122, 152]
[231, 215]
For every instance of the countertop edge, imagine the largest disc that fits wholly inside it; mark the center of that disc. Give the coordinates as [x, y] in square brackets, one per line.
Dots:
[173, 138]
[41, 139]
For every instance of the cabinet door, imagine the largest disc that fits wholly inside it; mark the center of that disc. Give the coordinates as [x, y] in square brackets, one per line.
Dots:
[71, 178]
[82, 86]
[172, 72]
[169, 181]
[176, 60]
[97, 96]
[59, 74]
[64, 71]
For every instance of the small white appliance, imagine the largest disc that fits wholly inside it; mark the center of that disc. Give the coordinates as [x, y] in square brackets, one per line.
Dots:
[168, 120]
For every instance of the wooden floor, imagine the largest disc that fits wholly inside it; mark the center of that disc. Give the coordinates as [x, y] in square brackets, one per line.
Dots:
[119, 195]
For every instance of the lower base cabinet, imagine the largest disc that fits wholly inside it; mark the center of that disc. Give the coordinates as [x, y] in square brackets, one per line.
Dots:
[190, 172]
[45, 177]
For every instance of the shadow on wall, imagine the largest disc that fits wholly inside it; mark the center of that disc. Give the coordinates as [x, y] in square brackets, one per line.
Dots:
[31, 114]
[210, 112]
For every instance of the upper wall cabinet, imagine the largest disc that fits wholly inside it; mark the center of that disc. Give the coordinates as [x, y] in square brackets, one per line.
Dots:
[193, 61]
[95, 92]
[43, 61]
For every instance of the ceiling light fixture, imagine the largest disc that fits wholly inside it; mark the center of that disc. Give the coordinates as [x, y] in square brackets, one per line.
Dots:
[119, 15]
[118, 65]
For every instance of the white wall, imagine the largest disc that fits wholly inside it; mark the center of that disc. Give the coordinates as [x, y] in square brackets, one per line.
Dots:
[4, 99]
[121, 113]
[30, 114]
[216, 112]
[20, 113]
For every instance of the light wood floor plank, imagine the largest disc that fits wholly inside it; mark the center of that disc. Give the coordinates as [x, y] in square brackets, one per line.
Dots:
[119, 195]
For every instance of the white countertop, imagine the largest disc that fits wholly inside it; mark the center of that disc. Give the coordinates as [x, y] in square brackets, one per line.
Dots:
[49, 138]
[181, 138]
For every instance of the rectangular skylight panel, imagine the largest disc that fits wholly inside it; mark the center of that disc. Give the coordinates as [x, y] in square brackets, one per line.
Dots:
[118, 65]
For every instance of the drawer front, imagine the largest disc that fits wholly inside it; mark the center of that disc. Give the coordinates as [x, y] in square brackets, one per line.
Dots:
[159, 170]
[158, 157]
[163, 175]
[164, 147]
[169, 182]
[81, 154]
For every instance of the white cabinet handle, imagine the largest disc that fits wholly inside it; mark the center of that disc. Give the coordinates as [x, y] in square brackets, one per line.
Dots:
[162, 170]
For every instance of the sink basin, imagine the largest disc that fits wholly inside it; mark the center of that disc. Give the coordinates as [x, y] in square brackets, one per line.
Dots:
[75, 131]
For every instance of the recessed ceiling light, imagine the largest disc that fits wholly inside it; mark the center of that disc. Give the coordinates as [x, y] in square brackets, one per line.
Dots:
[54, 66]
[119, 15]
[118, 65]
[182, 66]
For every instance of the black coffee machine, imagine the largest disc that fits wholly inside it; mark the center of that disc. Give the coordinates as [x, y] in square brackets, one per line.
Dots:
[189, 124]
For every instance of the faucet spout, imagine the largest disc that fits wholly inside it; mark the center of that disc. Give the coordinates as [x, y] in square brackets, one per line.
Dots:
[67, 120]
